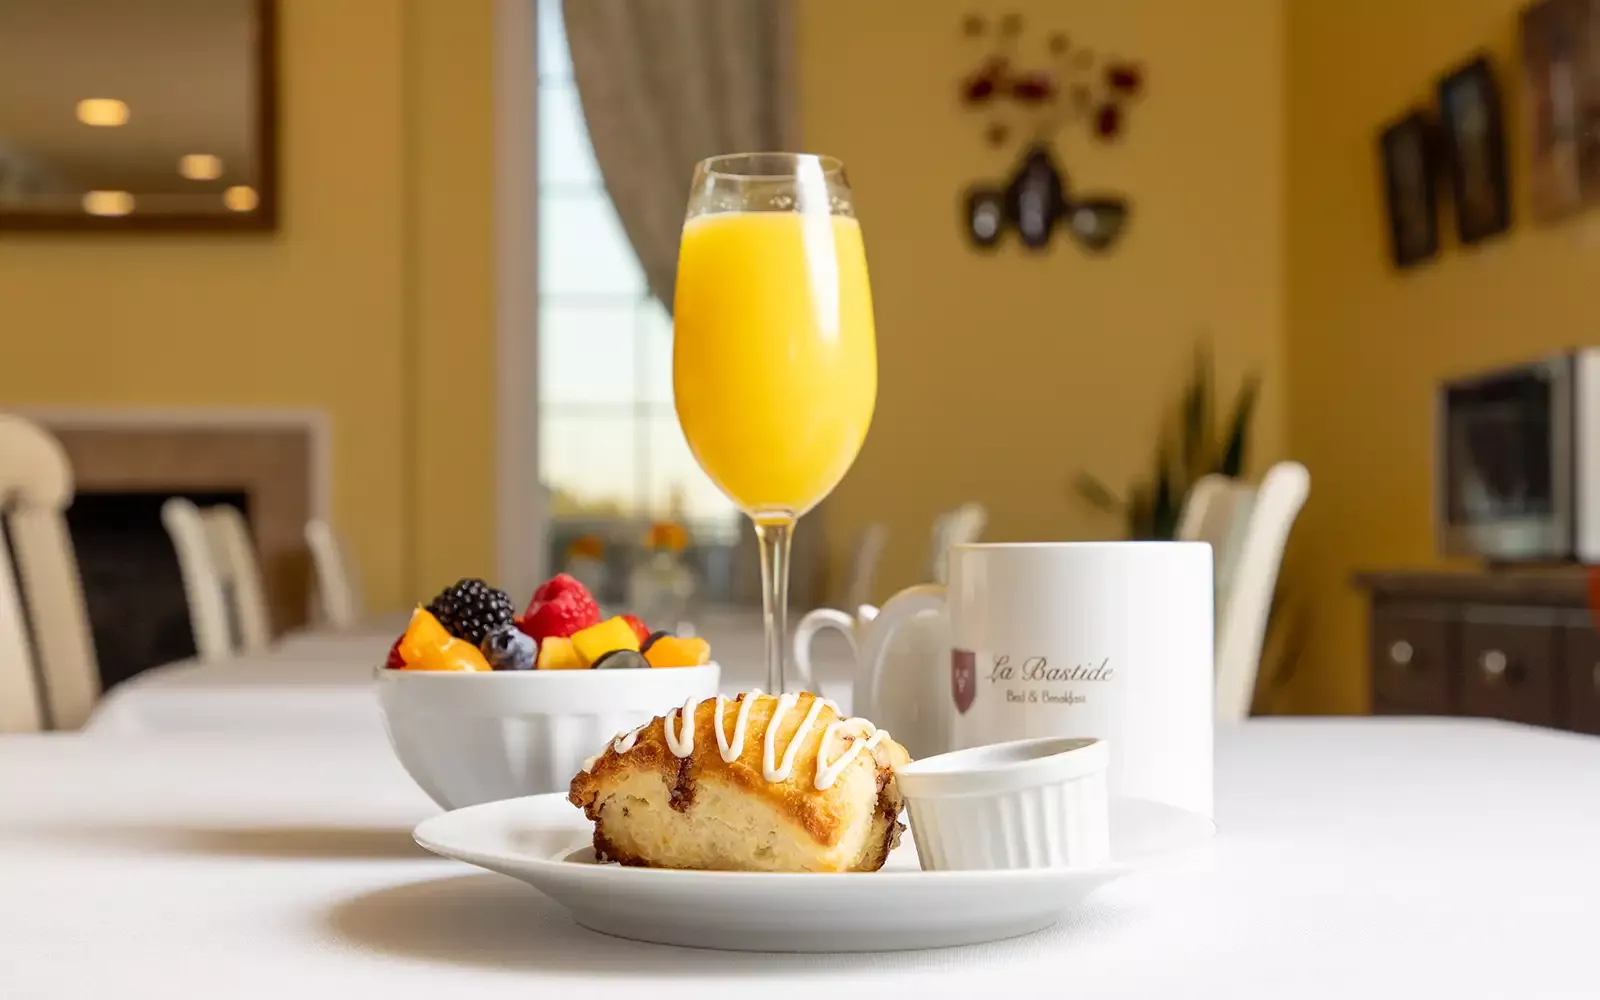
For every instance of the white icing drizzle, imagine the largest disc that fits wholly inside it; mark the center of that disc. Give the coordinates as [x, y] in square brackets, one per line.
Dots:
[681, 743]
[741, 723]
[626, 741]
[680, 737]
[827, 774]
[768, 746]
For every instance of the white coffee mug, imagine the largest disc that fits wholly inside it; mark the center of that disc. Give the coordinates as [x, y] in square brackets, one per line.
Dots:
[1109, 640]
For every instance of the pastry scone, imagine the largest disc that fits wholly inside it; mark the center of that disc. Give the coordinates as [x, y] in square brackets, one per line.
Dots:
[757, 783]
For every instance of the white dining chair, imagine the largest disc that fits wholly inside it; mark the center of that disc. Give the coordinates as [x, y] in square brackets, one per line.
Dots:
[864, 559]
[961, 526]
[1215, 512]
[1248, 528]
[20, 708]
[35, 491]
[234, 554]
[202, 579]
[338, 595]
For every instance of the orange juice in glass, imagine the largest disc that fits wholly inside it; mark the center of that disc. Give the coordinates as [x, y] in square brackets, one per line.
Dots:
[775, 367]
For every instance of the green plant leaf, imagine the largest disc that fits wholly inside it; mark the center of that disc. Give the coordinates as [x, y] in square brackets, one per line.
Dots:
[1151, 507]
[1196, 430]
[1237, 448]
[1140, 512]
[1163, 502]
[1195, 416]
[1097, 493]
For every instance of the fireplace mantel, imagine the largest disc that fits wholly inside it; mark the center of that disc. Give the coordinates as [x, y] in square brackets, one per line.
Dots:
[279, 458]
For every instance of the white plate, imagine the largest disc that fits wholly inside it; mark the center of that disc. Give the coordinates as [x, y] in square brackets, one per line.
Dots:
[544, 841]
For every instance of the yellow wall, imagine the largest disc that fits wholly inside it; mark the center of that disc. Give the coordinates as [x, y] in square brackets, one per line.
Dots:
[1367, 343]
[1001, 376]
[372, 302]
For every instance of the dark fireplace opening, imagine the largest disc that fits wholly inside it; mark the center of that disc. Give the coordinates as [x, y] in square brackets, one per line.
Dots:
[132, 587]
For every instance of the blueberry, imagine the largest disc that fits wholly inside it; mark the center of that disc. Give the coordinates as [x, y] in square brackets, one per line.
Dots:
[509, 648]
[645, 648]
[620, 659]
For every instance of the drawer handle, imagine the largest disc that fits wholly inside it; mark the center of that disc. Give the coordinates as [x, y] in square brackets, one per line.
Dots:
[1494, 664]
[1401, 654]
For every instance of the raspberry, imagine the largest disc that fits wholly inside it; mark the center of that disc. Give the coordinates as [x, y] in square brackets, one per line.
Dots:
[640, 629]
[577, 606]
[565, 614]
[561, 583]
[395, 660]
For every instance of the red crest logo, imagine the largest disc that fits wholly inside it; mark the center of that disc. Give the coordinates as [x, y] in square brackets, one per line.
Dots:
[963, 678]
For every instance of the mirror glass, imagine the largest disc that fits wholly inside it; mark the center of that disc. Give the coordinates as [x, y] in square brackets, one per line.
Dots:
[136, 114]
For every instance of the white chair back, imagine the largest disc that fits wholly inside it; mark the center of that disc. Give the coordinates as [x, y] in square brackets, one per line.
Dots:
[961, 526]
[1217, 511]
[20, 708]
[235, 554]
[35, 491]
[864, 564]
[202, 580]
[339, 603]
[1252, 554]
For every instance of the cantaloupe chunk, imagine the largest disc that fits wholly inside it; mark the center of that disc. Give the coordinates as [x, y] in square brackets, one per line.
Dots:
[671, 651]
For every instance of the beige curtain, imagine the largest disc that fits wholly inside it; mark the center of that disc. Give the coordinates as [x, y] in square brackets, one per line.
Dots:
[667, 83]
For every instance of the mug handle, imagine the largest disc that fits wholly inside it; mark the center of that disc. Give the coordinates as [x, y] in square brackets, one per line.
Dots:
[814, 622]
[901, 608]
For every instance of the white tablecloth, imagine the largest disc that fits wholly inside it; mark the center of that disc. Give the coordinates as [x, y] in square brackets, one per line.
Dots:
[322, 682]
[1359, 858]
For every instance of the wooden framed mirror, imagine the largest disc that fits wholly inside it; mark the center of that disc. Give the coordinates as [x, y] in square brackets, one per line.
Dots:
[138, 115]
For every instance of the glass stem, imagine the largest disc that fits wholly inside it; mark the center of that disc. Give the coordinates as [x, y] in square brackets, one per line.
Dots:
[772, 536]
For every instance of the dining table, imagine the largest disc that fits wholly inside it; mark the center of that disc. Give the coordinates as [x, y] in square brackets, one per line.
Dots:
[1357, 857]
[321, 680]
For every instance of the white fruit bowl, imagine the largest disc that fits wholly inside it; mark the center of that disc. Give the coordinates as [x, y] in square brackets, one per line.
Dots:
[468, 738]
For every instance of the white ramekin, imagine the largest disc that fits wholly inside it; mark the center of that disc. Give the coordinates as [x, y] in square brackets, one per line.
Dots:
[476, 737]
[1029, 804]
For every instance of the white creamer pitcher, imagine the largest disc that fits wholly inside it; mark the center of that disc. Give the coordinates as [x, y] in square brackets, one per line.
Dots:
[902, 658]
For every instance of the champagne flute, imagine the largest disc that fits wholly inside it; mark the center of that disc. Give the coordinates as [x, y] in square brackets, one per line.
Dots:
[774, 361]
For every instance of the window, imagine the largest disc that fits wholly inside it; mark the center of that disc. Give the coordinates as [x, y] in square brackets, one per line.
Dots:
[610, 449]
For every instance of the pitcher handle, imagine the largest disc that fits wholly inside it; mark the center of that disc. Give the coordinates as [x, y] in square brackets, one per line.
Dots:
[901, 608]
[805, 632]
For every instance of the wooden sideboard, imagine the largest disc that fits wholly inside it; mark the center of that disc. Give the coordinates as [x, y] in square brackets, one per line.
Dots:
[1505, 645]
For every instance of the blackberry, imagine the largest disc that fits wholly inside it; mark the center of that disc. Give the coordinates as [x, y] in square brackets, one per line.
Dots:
[471, 610]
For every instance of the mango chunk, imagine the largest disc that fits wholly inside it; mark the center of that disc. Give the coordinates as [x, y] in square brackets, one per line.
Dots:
[556, 653]
[607, 637]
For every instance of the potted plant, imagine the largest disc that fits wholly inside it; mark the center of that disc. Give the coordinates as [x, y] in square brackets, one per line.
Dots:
[1197, 447]
[1150, 508]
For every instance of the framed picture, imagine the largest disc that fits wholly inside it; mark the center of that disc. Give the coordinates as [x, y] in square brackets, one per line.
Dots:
[138, 115]
[1561, 99]
[1473, 128]
[1407, 149]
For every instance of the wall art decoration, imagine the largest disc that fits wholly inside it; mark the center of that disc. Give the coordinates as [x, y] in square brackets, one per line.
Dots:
[1560, 43]
[1027, 102]
[1475, 144]
[1408, 150]
[139, 115]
